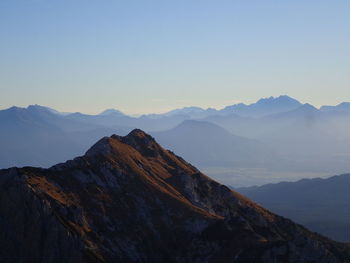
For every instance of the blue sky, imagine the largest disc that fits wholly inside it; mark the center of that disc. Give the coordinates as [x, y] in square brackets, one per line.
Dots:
[152, 56]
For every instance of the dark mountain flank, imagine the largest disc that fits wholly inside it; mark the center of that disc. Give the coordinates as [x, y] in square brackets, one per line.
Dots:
[129, 200]
[320, 204]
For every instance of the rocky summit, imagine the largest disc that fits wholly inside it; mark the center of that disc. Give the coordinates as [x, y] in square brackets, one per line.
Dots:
[129, 200]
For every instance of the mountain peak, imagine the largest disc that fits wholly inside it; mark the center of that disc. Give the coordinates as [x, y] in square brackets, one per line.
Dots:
[190, 112]
[142, 142]
[87, 209]
[265, 106]
[283, 99]
[344, 106]
[39, 108]
[138, 133]
[308, 107]
[14, 109]
[198, 126]
[45, 109]
[111, 112]
[137, 139]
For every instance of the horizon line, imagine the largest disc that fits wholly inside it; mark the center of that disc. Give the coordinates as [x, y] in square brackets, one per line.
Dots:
[165, 111]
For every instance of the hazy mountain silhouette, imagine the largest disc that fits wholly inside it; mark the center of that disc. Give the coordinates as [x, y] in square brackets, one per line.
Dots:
[187, 113]
[113, 112]
[320, 204]
[263, 107]
[37, 136]
[306, 141]
[206, 144]
[344, 106]
[105, 119]
[112, 119]
[129, 200]
[312, 140]
[26, 138]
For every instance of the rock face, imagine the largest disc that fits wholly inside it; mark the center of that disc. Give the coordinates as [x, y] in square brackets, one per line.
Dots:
[129, 200]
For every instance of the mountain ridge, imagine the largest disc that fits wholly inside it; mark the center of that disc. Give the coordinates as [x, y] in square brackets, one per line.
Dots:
[317, 203]
[312, 142]
[102, 206]
[286, 103]
[205, 143]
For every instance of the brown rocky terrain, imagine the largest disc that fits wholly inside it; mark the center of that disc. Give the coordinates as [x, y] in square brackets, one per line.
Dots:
[129, 200]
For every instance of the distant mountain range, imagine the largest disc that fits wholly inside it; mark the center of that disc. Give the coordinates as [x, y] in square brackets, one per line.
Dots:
[261, 108]
[276, 136]
[207, 144]
[112, 112]
[264, 107]
[129, 200]
[345, 106]
[320, 204]
[39, 136]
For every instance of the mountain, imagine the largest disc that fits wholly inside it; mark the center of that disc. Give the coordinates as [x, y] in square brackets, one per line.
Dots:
[37, 136]
[263, 107]
[306, 111]
[301, 143]
[105, 119]
[255, 127]
[310, 134]
[344, 106]
[59, 120]
[27, 137]
[320, 204]
[49, 109]
[113, 112]
[313, 141]
[206, 144]
[129, 200]
[187, 112]
[112, 119]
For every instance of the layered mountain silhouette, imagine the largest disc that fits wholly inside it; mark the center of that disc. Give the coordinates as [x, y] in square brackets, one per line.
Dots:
[320, 204]
[38, 136]
[187, 113]
[344, 106]
[272, 139]
[112, 112]
[206, 144]
[311, 140]
[264, 107]
[129, 200]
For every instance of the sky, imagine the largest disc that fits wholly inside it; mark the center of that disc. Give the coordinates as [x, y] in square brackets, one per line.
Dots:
[153, 56]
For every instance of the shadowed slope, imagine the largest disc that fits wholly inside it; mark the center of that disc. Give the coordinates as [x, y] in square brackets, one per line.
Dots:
[319, 204]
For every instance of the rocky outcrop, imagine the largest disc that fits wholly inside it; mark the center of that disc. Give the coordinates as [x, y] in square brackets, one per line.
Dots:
[129, 200]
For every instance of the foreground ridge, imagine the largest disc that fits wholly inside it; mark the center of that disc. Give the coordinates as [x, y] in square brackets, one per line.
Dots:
[129, 200]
